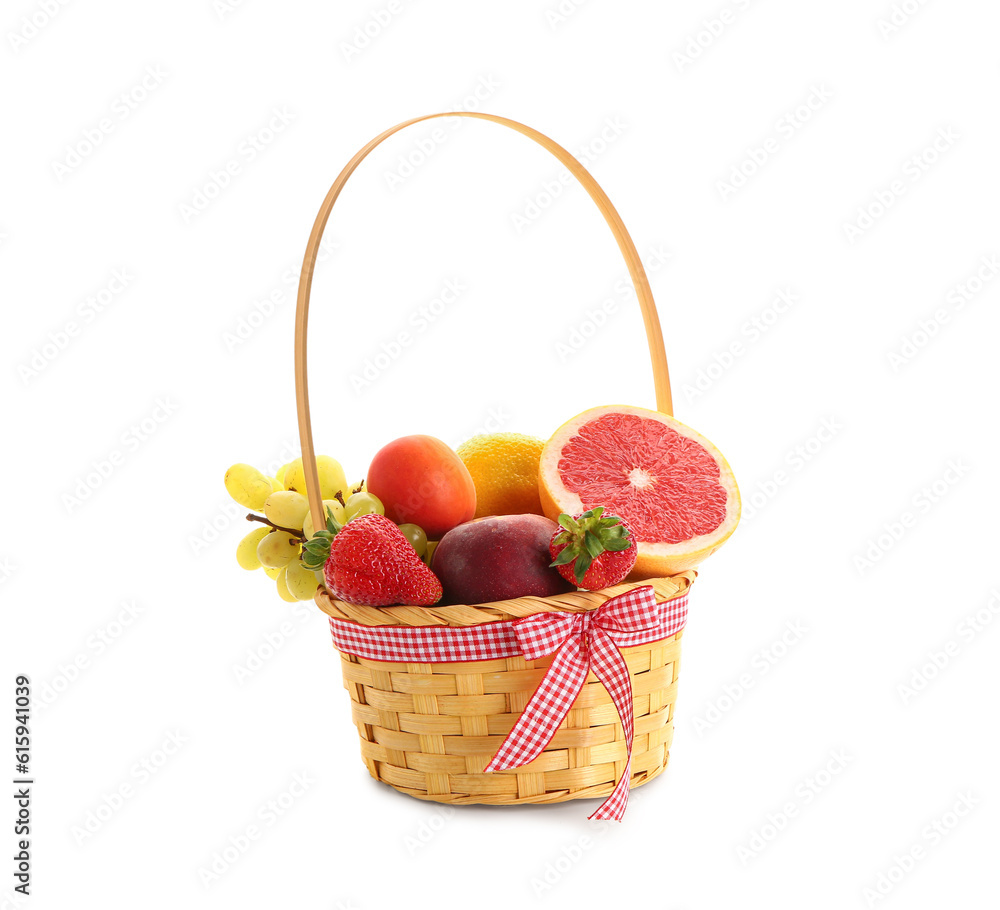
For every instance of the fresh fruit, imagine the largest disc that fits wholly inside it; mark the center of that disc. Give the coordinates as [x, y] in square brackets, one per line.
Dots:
[275, 484]
[593, 550]
[422, 481]
[363, 504]
[300, 581]
[498, 558]
[282, 583]
[286, 508]
[370, 562]
[246, 549]
[416, 536]
[277, 549]
[429, 552]
[271, 573]
[248, 486]
[329, 505]
[668, 483]
[331, 477]
[504, 469]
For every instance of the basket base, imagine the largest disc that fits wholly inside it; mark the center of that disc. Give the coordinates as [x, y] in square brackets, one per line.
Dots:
[451, 799]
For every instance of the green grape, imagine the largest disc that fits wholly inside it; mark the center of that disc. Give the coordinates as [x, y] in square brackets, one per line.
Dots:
[283, 591]
[331, 477]
[286, 508]
[246, 549]
[280, 475]
[431, 547]
[416, 536]
[363, 504]
[338, 513]
[300, 581]
[276, 484]
[271, 573]
[276, 550]
[247, 486]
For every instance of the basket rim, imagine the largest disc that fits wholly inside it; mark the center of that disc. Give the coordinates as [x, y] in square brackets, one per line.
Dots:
[666, 588]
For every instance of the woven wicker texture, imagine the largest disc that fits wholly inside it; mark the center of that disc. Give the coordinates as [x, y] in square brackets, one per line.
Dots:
[429, 730]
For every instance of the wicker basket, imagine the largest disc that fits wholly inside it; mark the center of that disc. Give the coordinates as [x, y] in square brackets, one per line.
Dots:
[430, 729]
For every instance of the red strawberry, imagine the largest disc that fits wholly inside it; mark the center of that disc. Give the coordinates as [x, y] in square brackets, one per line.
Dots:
[593, 550]
[373, 564]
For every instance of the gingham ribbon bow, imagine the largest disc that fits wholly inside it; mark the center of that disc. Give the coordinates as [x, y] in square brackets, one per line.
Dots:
[582, 642]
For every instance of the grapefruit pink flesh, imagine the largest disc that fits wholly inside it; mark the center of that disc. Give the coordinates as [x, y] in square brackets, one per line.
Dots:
[670, 484]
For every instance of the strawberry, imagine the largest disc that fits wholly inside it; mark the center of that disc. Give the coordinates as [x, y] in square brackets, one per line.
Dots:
[368, 561]
[593, 550]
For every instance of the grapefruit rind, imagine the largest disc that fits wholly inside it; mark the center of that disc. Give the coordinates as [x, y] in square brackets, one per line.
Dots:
[655, 560]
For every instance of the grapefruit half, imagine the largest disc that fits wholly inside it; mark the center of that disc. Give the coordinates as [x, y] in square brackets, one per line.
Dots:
[670, 484]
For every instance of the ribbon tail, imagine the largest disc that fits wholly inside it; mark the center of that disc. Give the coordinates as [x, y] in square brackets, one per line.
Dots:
[610, 668]
[546, 709]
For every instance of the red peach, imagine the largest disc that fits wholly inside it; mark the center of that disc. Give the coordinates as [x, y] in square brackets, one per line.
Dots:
[420, 480]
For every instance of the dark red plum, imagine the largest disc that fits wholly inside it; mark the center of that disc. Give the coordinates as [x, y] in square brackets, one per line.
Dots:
[498, 558]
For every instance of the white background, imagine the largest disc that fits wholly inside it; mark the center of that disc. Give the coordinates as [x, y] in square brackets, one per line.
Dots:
[861, 423]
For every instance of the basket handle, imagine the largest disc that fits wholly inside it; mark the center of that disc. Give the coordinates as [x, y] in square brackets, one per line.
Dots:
[661, 377]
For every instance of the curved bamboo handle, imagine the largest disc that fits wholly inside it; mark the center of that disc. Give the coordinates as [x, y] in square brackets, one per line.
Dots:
[661, 377]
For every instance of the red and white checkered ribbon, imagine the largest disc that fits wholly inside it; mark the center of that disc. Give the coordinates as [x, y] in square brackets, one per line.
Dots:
[582, 642]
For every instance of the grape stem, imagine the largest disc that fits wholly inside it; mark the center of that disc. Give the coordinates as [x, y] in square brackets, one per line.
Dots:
[296, 534]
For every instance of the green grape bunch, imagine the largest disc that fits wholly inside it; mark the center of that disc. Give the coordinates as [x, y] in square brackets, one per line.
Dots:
[287, 546]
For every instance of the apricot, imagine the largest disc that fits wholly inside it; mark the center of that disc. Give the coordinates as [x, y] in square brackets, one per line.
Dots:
[421, 481]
